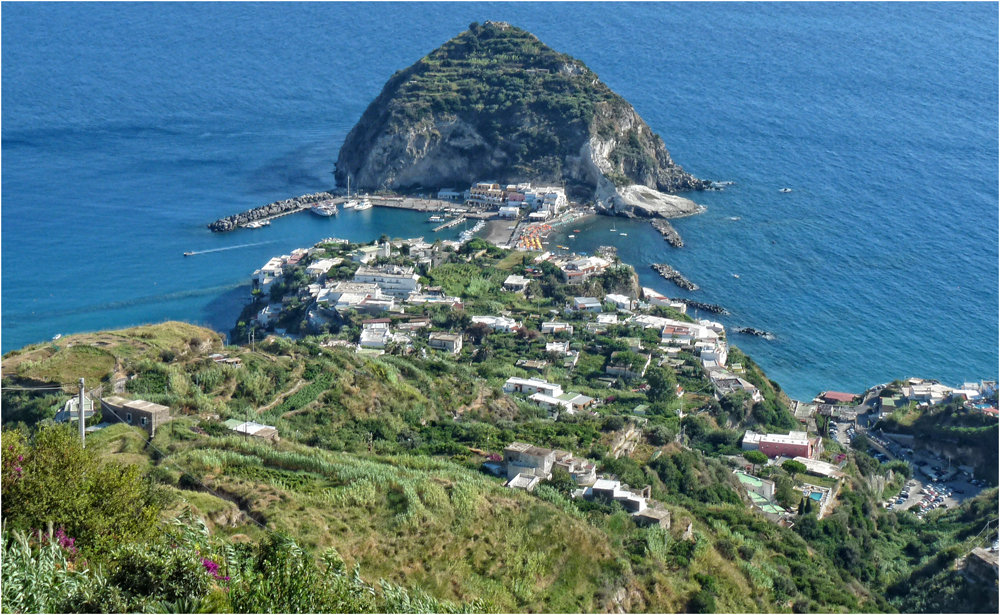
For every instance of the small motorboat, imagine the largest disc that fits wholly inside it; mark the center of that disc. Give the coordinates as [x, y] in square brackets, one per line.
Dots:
[736, 275]
[623, 234]
[734, 218]
[785, 190]
[576, 230]
[572, 236]
[56, 336]
[189, 254]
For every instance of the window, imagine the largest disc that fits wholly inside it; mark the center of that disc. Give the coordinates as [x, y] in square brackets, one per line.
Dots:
[143, 421]
[128, 417]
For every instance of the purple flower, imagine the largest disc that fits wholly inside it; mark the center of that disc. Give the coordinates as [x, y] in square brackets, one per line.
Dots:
[17, 469]
[20, 457]
[211, 567]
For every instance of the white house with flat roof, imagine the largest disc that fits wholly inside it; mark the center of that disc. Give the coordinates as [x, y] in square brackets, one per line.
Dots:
[516, 283]
[556, 327]
[270, 273]
[497, 323]
[530, 386]
[587, 304]
[392, 279]
[320, 267]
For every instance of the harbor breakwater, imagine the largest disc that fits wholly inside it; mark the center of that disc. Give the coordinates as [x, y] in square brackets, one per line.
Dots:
[669, 233]
[669, 273]
[268, 211]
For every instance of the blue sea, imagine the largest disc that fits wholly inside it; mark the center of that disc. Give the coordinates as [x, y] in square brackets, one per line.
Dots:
[126, 128]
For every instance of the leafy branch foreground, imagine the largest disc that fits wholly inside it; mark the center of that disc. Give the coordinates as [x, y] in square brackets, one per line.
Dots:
[188, 571]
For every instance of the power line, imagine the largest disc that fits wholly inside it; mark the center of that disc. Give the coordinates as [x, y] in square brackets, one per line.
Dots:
[59, 388]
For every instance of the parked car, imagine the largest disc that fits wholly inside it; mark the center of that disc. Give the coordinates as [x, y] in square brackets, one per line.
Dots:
[962, 491]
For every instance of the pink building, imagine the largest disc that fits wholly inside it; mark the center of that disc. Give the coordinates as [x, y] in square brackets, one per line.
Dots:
[795, 444]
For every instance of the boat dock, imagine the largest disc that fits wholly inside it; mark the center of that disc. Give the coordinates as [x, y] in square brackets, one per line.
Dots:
[450, 224]
[274, 216]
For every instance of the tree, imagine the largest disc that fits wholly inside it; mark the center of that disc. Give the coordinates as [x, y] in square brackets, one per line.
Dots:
[662, 384]
[54, 479]
[860, 443]
[756, 458]
[793, 467]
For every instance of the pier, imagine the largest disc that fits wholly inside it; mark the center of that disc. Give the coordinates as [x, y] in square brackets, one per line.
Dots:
[450, 224]
[705, 307]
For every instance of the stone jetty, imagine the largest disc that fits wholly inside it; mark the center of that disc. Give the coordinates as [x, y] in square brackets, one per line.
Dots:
[669, 233]
[704, 307]
[669, 273]
[272, 210]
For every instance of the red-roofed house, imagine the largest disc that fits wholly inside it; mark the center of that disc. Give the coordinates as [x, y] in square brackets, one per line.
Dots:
[833, 397]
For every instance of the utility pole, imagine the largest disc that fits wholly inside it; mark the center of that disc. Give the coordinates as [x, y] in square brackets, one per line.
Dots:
[82, 416]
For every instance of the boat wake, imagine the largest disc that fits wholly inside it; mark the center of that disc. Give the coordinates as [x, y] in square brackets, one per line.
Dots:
[245, 245]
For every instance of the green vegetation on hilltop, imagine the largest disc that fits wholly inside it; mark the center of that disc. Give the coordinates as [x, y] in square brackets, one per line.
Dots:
[496, 103]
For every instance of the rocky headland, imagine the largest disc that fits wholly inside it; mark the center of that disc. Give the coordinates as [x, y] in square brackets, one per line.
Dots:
[495, 103]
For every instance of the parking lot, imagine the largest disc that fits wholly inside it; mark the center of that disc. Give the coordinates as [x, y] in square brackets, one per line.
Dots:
[921, 490]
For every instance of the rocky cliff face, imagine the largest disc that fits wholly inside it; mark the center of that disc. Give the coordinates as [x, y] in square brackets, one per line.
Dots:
[495, 103]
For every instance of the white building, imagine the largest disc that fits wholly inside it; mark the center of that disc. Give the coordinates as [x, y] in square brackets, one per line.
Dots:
[268, 315]
[587, 304]
[509, 213]
[320, 267]
[556, 327]
[268, 274]
[393, 280]
[497, 323]
[448, 342]
[582, 269]
[620, 302]
[450, 194]
[530, 386]
[516, 283]
[374, 338]
[658, 299]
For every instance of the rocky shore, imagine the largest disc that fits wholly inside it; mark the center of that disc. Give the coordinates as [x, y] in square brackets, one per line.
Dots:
[704, 307]
[669, 273]
[269, 211]
[669, 233]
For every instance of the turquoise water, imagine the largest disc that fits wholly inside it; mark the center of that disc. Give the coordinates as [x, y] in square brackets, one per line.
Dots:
[127, 128]
[816, 496]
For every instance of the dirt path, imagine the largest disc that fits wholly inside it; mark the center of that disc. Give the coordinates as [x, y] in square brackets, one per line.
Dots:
[280, 398]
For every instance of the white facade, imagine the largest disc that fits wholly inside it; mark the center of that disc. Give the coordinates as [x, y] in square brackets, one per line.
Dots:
[268, 274]
[509, 213]
[320, 267]
[393, 280]
[497, 323]
[556, 327]
[620, 302]
[532, 385]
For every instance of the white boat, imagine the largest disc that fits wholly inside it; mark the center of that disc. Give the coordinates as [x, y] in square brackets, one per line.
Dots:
[254, 224]
[56, 336]
[363, 205]
[325, 209]
[572, 236]
[734, 218]
[436, 219]
[785, 190]
[350, 204]
[736, 275]
[623, 234]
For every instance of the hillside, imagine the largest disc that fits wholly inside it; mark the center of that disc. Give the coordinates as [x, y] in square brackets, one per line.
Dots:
[495, 103]
[379, 464]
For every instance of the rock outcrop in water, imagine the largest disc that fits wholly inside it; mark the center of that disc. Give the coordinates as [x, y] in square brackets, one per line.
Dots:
[495, 103]
[669, 273]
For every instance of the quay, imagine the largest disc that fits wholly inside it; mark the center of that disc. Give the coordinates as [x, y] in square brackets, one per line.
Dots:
[274, 216]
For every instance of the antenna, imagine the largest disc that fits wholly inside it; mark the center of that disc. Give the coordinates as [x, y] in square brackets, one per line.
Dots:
[82, 416]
